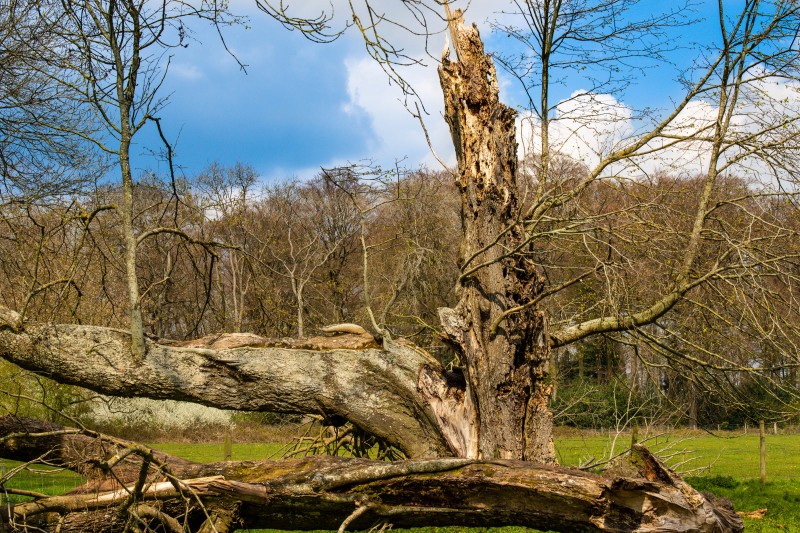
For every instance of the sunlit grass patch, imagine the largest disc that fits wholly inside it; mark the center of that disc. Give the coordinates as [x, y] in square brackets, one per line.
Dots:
[780, 498]
[696, 452]
[41, 479]
[211, 452]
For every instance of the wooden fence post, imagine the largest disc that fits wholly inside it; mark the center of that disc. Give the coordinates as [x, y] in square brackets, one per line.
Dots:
[228, 445]
[762, 438]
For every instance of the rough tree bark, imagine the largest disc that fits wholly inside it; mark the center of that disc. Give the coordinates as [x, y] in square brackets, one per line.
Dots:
[466, 434]
[505, 356]
[376, 389]
[324, 492]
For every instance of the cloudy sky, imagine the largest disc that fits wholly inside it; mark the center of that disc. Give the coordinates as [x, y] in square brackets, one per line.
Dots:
[301, 105]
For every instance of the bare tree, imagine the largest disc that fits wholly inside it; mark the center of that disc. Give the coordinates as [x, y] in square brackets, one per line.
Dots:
[39, 156]
[295, 239]
[112, 57]
[227, 194]
[649, 251]
[415, 265]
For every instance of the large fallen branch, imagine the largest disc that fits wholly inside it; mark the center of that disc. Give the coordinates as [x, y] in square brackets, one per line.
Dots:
[393, 392]
[317, 492]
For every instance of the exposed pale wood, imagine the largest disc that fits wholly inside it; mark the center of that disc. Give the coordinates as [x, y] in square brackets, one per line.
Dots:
[104, 500]
[10, 319]
[345, 328]
[227, 341]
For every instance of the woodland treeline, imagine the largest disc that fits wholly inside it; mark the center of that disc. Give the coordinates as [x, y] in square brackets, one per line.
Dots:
[230, 251]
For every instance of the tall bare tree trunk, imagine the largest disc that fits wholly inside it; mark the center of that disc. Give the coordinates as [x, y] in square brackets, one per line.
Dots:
[127, 72]
[297, 289]
[505, 354]
[136, 323]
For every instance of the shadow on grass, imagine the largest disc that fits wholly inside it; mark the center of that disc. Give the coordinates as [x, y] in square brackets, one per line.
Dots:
[780, 498]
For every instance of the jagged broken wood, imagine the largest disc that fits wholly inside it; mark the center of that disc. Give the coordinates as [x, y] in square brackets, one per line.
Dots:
[317, 492]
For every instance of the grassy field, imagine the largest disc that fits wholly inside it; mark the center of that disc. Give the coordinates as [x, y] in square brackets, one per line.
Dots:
[698, 453]
[691, 453]
[726, 465]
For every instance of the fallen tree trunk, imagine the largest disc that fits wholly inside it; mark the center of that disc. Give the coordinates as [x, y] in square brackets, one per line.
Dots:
[390, 392]
[323, 492]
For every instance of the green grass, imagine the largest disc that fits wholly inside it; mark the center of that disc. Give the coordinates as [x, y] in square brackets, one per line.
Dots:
[41, 479]
[727, 466]
[210, 452]
[698, 453]
[733, 454]
[780, 498]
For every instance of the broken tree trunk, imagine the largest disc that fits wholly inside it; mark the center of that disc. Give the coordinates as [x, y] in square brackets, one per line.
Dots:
[492, 417]
[324, 492]
[496, 329]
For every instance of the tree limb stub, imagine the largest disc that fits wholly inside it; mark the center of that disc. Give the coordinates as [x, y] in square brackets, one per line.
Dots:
[323, 491]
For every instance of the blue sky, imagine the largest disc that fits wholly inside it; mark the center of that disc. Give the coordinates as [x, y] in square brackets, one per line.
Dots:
[283, 115]
[303, 105]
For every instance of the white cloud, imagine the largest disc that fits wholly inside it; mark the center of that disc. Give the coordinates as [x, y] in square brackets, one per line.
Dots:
[186, 72]
[592, 125]
[397, 133]
[585, 127]
[764, 102]
[685, 158]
